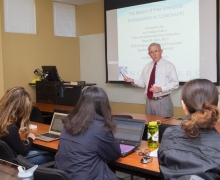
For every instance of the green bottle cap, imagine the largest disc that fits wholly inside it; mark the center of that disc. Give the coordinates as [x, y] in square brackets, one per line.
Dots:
[152, 123]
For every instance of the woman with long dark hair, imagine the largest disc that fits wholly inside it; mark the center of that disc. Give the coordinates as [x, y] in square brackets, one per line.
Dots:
[193, 148]
[87, 142]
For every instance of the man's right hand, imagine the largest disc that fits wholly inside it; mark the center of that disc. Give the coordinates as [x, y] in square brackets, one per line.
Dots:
[127, 79]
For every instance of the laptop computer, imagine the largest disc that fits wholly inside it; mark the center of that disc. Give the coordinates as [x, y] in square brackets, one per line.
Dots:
[129, 134]
[56, 127]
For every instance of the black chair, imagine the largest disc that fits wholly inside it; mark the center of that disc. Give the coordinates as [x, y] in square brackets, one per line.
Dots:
[36, 115]
[42, 172]
[122, 116]
[6, 153]
[162, 128]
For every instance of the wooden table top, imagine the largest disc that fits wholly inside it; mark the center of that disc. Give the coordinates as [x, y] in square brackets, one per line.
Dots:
[132, 159]
[41, 128]
[50, 108]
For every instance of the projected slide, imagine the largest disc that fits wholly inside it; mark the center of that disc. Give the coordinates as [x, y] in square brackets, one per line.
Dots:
[173, 24]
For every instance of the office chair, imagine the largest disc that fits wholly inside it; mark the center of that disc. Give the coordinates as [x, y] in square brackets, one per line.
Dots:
[6, 153]
[162, 128]
[43, 172]
[122, 116]
[36, 115]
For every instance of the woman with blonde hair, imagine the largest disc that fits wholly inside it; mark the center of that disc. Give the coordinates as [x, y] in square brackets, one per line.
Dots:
[15, 109]
[193, 148]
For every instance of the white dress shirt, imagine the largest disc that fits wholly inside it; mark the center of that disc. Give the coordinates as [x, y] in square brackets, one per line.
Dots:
[165, 77]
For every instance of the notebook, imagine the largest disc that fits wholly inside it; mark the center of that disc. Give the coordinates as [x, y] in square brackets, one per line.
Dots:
[129, 134]
[56, 127]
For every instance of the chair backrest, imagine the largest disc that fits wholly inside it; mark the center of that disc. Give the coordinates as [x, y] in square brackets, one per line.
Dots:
[36, 115]
[43, 173]
[162, 128]
[6, 153]
[122, 116]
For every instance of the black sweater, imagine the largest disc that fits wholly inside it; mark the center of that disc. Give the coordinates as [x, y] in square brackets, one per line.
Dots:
[14, 141]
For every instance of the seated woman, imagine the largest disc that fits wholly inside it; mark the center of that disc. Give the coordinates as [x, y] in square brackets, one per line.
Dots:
[15, 109]
[87, 142]
[193, 148]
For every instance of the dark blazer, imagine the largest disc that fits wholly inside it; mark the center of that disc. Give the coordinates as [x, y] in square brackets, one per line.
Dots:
[85, 156]
[179, 155]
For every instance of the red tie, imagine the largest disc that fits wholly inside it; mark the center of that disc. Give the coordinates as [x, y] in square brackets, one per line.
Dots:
[151, 81]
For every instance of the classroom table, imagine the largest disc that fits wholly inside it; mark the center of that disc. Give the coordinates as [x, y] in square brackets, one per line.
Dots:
[50, 109]
[130, 163]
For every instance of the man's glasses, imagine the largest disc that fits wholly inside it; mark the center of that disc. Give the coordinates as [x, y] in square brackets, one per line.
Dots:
[156, 51]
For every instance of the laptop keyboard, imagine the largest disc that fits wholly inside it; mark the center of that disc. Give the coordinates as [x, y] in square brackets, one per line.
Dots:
[54, 136]
[125, 148]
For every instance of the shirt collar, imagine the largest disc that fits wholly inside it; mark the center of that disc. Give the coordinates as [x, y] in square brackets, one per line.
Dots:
[160, 61]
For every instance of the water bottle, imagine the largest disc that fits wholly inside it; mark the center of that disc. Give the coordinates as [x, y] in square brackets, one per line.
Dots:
[26, 175]
[153, 134]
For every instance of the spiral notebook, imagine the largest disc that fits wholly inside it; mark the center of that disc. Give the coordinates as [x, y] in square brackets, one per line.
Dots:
[129, 134]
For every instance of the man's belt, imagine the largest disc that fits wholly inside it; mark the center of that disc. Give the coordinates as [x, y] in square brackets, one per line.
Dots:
[160, 97]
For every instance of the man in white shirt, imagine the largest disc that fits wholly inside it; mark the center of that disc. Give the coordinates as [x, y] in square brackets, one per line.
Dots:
[165, 80]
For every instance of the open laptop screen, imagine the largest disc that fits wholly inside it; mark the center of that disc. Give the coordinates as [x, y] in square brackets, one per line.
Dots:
[57, 124]
[129, 130]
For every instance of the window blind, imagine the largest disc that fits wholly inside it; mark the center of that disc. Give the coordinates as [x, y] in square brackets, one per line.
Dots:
[64, 19]
[20, 16]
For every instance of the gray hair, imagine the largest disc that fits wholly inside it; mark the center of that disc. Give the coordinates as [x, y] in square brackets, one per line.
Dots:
[154, 44]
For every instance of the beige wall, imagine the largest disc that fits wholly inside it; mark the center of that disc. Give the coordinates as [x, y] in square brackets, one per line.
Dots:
[90, 18]
[23, 53]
